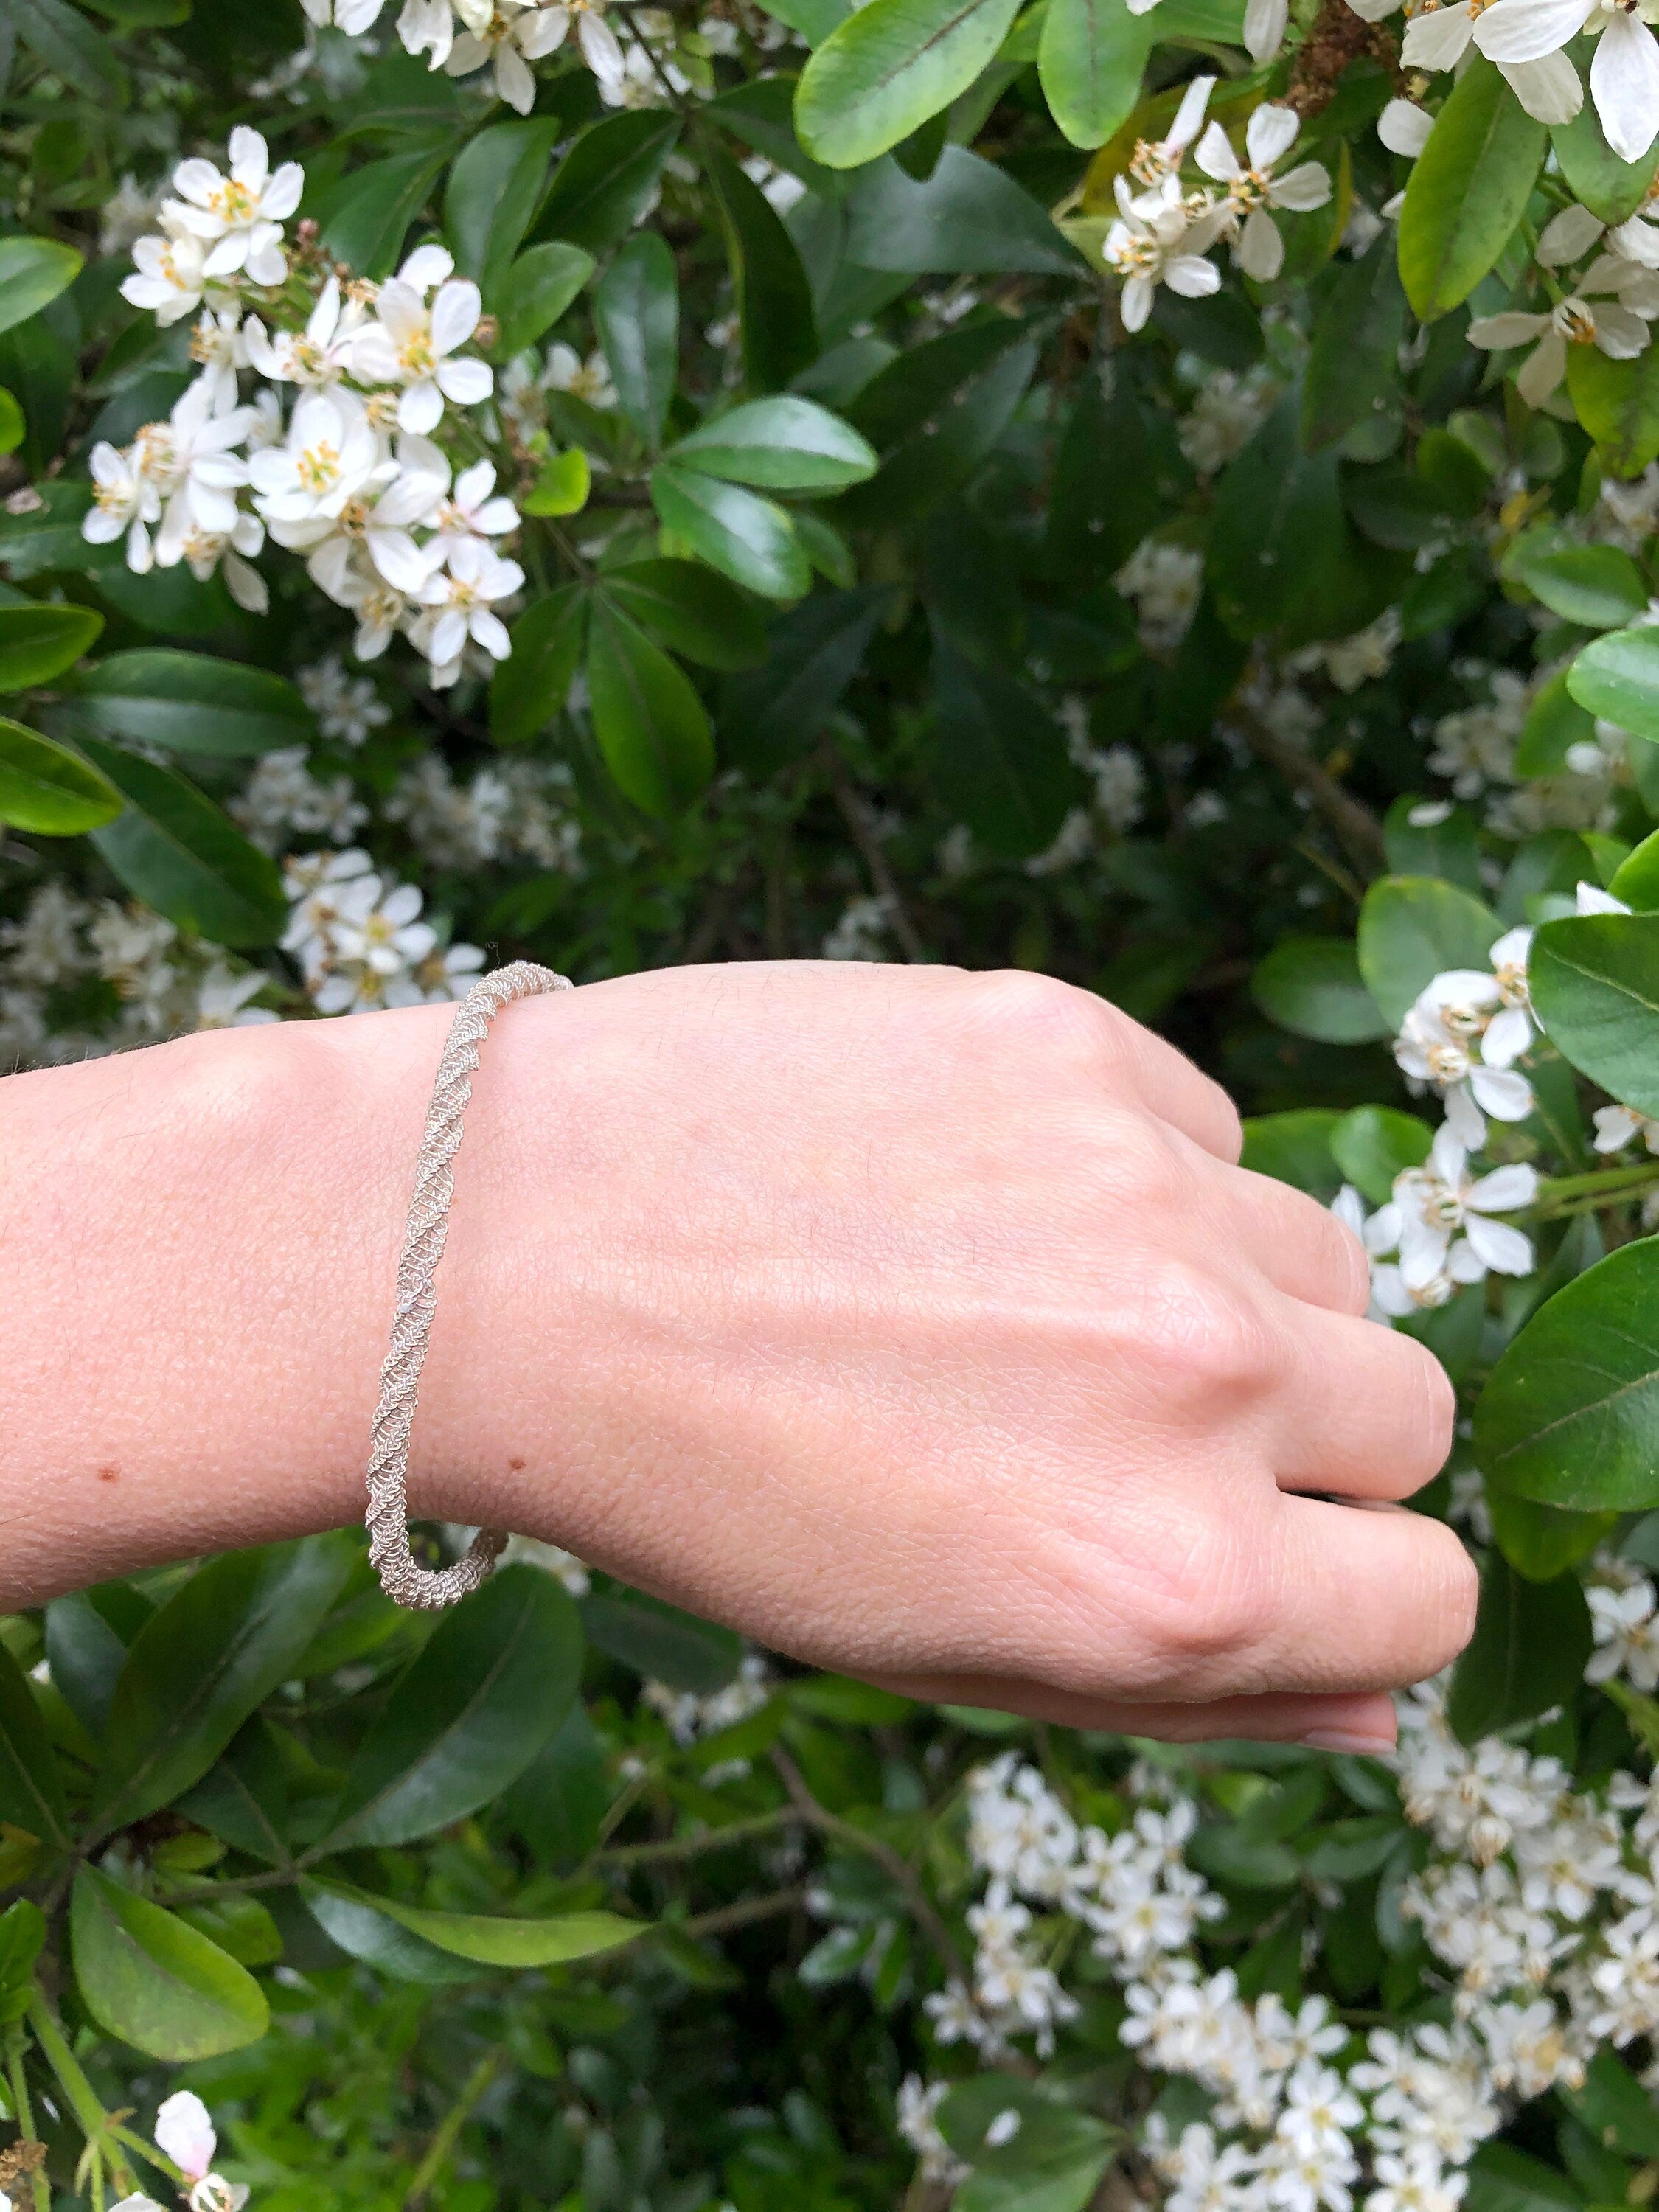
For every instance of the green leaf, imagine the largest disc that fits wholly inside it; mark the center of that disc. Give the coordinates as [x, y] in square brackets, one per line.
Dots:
[636, 313]
[888, 68]
[1283, 557]
[13, 427]
[1374, 1144]
[563, 486]
[1594, 981]
[1446, 844]
[1118, 472]
[968, 217]
[750, 539]
[1617, 678]
[1468, 189]
[1312, 985]
[1616, 2107]
[1570, 1415]
[769, 282]
[86, 1657]
[935, 413]
[243, 1798]
[365, 218]
[558, 1804]
[154, 1982]
[1554, 723]
[1091, 61]
[486, 1939]
[1000, 759]
[606, 182]
[31, 1790]
[1295, 1147]
[356, 1924]
[190, 703]
[690, 610]
[1618, 403]
[659, 1642]
[1239, 1861]
[1636, 880]
[1530, 1642]
[1594, 175]
[32, 272]
[38, 643]
[1412, 928]
[813, 653]
[494, 184]
[202, 1663]
[1352, 370]
[1594, 586]
[49, 790]
[531, 687]
[61, 38]
[173, 849]
[784, 444]
[488, 1690]
[1542, 1542]
[535, 292]
[651, 726]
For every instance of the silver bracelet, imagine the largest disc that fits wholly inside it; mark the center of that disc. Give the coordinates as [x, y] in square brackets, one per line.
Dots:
[424, 1235]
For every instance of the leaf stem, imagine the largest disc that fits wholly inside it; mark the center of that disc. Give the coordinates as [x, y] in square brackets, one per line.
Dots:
[93, 2120]
[441, 2148]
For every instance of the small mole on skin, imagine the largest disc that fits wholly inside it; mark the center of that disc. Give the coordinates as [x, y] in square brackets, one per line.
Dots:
[516, 1465]
[109, 1474]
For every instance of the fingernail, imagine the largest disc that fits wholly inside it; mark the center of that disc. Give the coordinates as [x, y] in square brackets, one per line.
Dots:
[1352, 1740]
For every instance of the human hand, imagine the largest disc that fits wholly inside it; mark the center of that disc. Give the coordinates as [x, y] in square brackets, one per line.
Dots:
[920, 1324]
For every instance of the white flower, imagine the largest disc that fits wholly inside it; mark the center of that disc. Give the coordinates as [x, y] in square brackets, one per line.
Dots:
[1151, 242]
[1438, 36]
[463, 598]
[410, 344]
[1437, 1047]
[169, 279]
[1152, 162]
[184, 2132]
[222, 1002]
[347, 708]
[381, 612]
[190, 460]
[1253, 189]
[450, 973]
[1617, 326]
[566, 371]
[1404, 128]
[219, 346]
[1624, 74]
[1415, 2182]
[517, 34]
[320, 354]
[330, 455]
[402, 495]
[125, 503]
[1436, 1203]
[1626, 1634]
[469, 511]
[1619, 1126]
[238, 218]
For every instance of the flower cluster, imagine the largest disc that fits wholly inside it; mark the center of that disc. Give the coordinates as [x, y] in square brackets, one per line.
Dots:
[353, 478]
[184, 2134]
[359, 943]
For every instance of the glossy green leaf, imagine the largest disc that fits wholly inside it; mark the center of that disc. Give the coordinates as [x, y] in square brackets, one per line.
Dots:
[651, 726]
[659, 1642]
[783, 444]
[1618, 403]
[495, 183]
[1616, 2107]
[156, 1982]
[935, 413]
[691, 610]
[1555, 721]
[531, 294]
[48, 790]
[606, 180]
[557, 1806]
[13, 427]
[1412, 928]
[86, 1657]
[1434, 840]
[999, 760]
[32, 272]
[1594, 981]
[1372, 1145]
[204, 1661]
[751, 539]
[888, 68]
[1468, 189]
[491, 1686]
[62, 40]
[487, 1940]
[31, 1791]
[563, 486]
[173, 849]
[636, 313]
[968, 217]
[1542, 1542]
[190, 703]
[813, 653]
[1570, 1415]
[531, 687]
[1594, 586]
[39, 641]
[366, 219]
[1617, 678]
[1295, 1147]
[1528, 1653]
[1090, 60]
[243, 1799]
[1312, 985]
[1636, 880]
[1352, 371]
[775, 316]
[1595, 175]
[355, 1924]
[1118, 471]
[1283, 556]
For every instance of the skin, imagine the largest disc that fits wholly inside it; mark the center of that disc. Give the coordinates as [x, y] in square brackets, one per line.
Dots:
[919, 1323]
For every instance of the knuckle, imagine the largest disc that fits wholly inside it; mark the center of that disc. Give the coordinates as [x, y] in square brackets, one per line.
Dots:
[1216, 1603]
[1046, 1015]
[1199, 1333]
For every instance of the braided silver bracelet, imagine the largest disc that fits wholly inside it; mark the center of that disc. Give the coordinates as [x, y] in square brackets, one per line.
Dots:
[424, 1235]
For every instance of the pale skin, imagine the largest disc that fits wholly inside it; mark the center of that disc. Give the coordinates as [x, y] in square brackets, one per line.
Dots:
[920, 1324]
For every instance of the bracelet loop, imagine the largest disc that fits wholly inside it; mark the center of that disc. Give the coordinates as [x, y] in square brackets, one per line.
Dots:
[424, 1235]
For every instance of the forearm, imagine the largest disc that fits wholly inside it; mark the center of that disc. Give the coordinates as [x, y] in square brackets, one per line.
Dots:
[198, 1247]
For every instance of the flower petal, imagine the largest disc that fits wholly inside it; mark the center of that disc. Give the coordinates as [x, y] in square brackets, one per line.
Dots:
[1527, 30]
[1624, 84]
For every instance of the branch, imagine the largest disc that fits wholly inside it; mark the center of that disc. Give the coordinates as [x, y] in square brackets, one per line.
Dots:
[855, 812]
[686, 1847]
[897, 1869]
[1358, 828]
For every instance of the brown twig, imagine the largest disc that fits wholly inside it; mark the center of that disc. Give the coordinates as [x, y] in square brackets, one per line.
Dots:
[855, 812]
[1355, 825]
